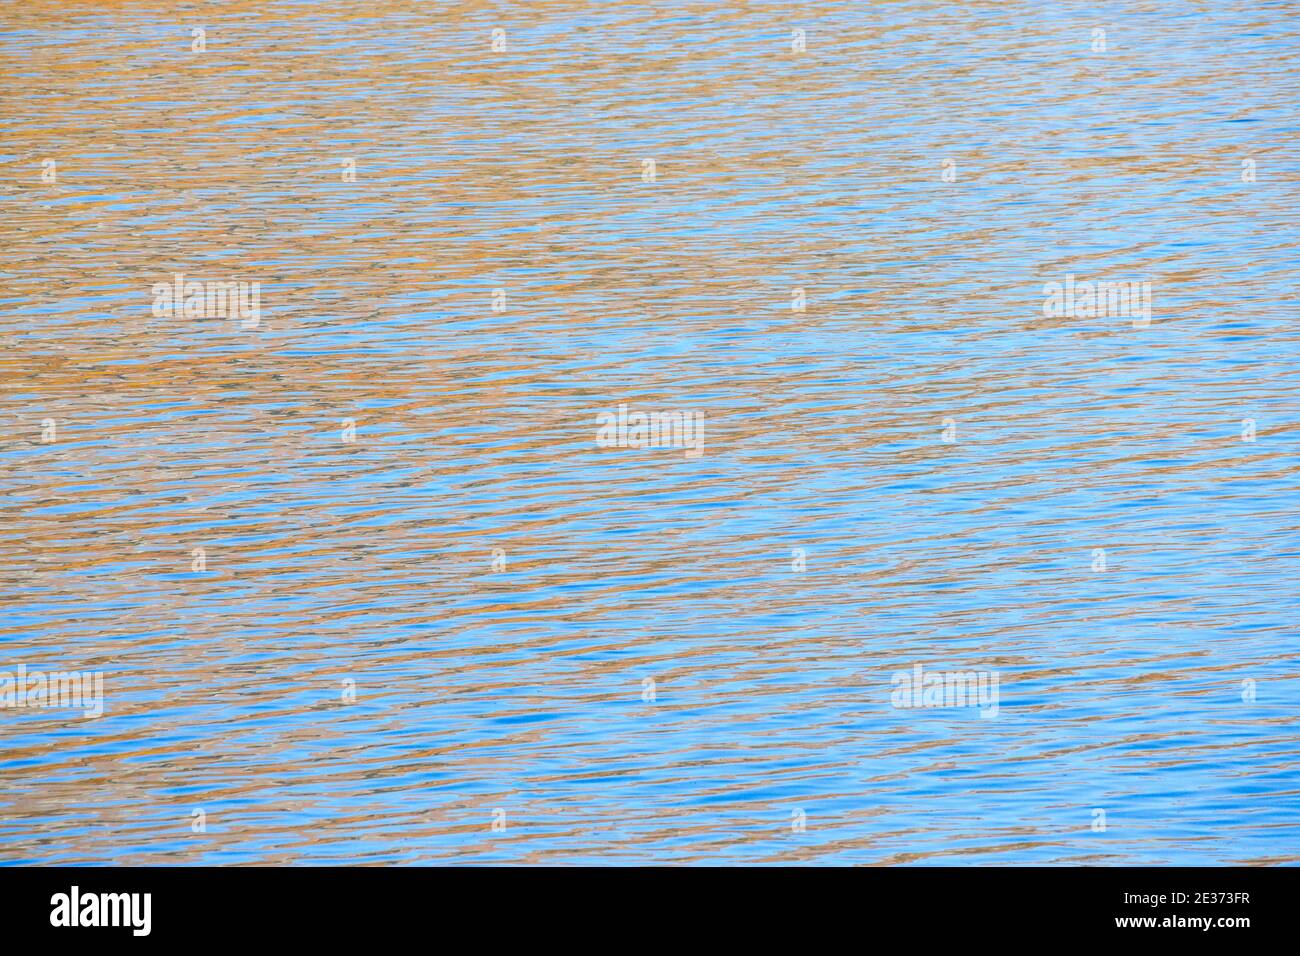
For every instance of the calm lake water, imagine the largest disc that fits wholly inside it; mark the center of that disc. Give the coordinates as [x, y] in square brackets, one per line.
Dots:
[363, 585]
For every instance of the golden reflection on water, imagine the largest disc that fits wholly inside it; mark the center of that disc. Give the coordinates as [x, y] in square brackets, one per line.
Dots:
[522, 689]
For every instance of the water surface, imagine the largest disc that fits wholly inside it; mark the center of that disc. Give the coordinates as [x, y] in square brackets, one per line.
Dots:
[519, 695]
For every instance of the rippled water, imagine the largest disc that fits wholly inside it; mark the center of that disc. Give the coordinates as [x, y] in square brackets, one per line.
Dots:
[650, 678]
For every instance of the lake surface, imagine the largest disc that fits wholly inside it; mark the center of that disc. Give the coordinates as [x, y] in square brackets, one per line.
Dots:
[361, 582]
